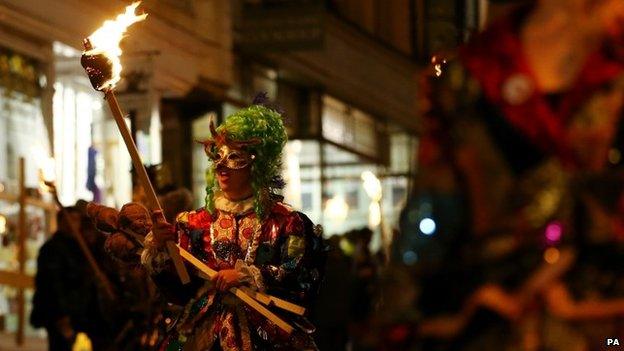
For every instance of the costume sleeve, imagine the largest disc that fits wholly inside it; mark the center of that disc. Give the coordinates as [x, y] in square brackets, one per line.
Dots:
[157, 259]
[159, 265]
[293, 273]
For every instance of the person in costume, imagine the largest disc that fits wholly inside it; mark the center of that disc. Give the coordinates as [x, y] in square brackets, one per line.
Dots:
[520, 128]
[245, 233]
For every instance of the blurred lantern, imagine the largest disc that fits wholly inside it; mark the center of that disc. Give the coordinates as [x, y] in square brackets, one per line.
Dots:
[372, 186]
[374, 214]
[336, 209]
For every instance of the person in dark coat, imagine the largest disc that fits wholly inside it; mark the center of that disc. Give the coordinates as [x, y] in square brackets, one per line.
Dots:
[67, 299]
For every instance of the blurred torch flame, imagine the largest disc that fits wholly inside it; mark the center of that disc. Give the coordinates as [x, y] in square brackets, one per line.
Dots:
[105, 41]
[438, 65]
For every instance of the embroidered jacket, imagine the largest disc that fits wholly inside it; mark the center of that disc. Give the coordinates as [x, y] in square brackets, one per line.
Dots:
[276, 255]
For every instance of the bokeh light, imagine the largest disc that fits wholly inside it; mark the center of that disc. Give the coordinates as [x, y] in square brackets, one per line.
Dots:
[553, 232]
[551, 255]
[427, 226]
[410, 258]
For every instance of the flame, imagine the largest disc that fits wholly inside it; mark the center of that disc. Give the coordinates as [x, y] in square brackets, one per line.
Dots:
[438, 65]
[438, 69]
[105, 40]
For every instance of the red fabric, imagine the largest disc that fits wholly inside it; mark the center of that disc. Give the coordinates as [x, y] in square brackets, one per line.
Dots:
[497, 54]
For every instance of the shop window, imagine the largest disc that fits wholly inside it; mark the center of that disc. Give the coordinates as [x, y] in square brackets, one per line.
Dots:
[22, 135]
[402, 153]
[302, 173]
[306, 202]
[352, 198]
[84, 133]
[350, 127]
[399, 194]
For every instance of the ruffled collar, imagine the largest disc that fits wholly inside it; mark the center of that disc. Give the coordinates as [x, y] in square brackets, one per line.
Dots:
[234, 207]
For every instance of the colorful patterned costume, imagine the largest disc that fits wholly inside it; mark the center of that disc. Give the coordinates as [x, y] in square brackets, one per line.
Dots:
[277, 250]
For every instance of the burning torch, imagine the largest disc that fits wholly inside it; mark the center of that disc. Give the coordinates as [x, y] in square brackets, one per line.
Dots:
[101, 60]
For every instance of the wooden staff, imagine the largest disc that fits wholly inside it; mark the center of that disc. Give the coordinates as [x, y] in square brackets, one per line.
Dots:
[152, 199]
[21, 251]
[84, 248]
[239, 293]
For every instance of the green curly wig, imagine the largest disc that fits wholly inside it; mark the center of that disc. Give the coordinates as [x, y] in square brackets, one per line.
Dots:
[264, 123]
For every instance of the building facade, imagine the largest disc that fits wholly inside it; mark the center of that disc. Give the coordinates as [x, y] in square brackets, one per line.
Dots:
[53, 119]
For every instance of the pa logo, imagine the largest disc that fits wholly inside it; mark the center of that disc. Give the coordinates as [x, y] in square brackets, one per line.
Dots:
[613, 342]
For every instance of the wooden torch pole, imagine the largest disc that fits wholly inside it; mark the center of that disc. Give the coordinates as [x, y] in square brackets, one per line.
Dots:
[21, 251]
[152, 199]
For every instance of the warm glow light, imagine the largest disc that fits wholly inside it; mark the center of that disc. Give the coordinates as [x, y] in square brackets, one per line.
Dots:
[43, 187]
[3, 224]
[372, 185]
[346, 246]
[374, 214]
[438, 69]
[105, 40]
[336, 208]
[82, 342]
[292, 173]
[48, 171]
[551, 255]
[437, 65]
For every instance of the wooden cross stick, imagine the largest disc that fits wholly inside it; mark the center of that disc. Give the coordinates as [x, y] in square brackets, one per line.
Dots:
[241, 294]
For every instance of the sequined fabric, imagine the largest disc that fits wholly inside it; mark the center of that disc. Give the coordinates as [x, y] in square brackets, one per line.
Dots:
[272, 254]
